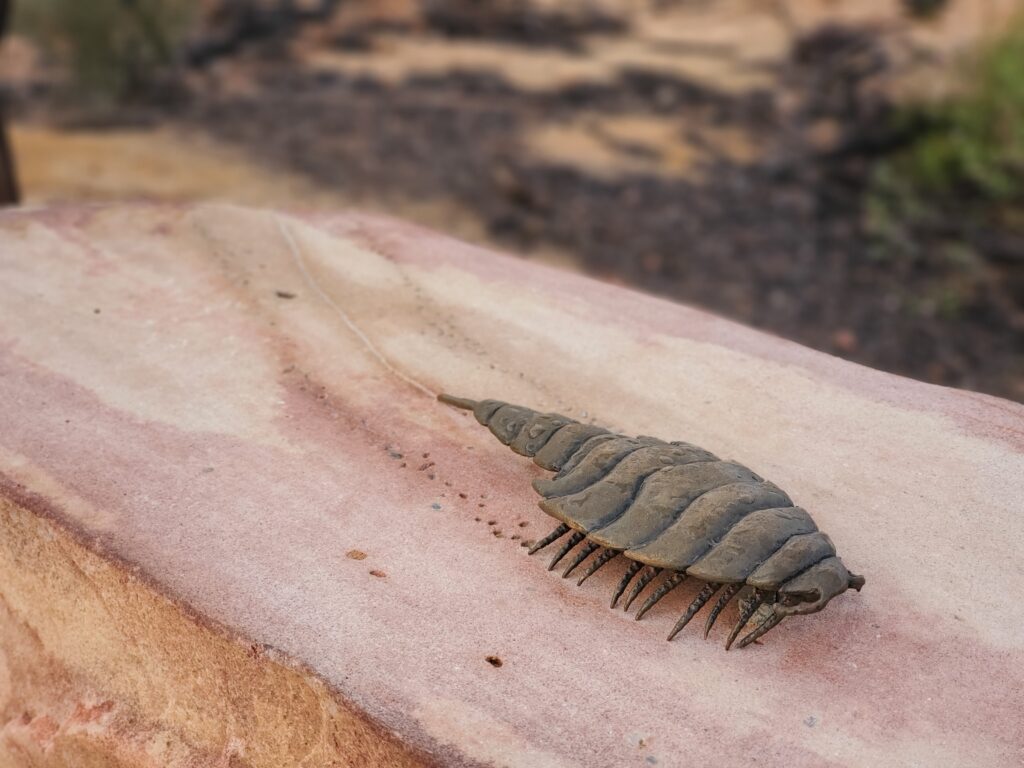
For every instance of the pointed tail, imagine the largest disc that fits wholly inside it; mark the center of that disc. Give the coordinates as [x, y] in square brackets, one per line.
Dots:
[457, 402]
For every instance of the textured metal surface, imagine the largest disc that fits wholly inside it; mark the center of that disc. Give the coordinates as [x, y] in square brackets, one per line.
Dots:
[675, 507]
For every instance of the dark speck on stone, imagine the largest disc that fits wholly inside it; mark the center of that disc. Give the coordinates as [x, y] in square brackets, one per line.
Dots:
[810, 721]
[435, 505]
[284, 294]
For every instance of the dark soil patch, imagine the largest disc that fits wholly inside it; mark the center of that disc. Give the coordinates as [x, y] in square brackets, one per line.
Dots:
[518, 22]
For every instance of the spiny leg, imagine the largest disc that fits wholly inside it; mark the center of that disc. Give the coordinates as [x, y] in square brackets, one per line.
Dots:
[645, 578]
[633, 570]
[698, 602]
[663, 589]
[745, 613]
[571, 542]
[556, 534]
[585, 552]
[727, 595]
[762, 629]
[603, 557]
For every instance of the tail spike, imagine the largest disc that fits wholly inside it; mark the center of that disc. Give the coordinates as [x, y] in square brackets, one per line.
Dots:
[457, 402]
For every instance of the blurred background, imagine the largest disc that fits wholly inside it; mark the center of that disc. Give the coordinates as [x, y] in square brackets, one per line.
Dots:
[849, 175]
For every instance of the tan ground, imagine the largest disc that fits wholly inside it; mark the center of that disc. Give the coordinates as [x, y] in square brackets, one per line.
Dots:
[614, 145]
[174, 166]
[145, 164]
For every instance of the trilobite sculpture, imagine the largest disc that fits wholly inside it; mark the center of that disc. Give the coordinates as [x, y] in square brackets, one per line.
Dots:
[676, 509]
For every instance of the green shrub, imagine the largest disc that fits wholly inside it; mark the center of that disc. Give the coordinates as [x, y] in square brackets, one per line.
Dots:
[111, 48]
[935, 206]
[972, 143]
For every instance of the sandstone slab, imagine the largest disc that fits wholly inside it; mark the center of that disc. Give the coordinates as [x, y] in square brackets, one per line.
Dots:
[236, 528]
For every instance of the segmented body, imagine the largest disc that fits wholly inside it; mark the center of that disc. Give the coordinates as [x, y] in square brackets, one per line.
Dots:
[672, 509]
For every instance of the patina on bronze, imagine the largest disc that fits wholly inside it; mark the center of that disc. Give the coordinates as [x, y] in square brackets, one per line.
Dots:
[676, 509]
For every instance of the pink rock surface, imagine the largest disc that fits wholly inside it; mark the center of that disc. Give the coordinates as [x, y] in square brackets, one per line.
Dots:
[232, 400]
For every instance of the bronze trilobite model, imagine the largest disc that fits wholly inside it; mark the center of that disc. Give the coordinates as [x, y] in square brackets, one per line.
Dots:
[672, 507]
